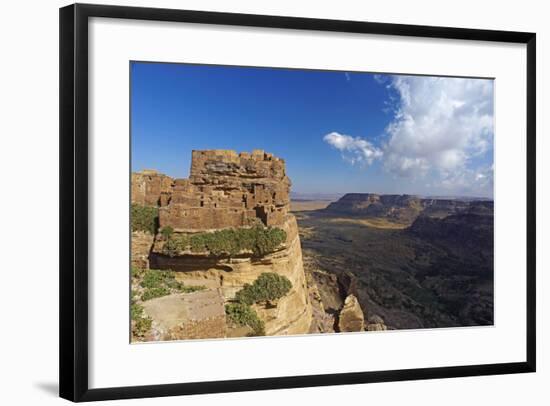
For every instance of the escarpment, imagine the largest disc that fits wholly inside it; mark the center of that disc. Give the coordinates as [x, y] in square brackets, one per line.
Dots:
[398, 208]
[219, 231]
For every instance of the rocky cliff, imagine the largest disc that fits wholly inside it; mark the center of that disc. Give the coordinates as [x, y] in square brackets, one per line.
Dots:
[470, 229]
[219, 230]
[398, 208]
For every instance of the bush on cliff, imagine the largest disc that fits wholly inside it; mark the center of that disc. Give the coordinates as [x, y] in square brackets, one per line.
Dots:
[244, 315]
[167, 232]
[137, 272]
[157, 283]
[175, 244]
[268, 286]
[140, 322]
[267, 240]
[155, 279]
[144, 218]
[153, 293]
[259, 240]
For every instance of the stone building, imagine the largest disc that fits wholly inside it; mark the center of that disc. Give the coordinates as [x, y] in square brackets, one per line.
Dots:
[150, 188]
[224, 189]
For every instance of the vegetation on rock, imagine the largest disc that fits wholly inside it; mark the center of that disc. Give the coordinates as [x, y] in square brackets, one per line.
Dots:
[144, 218]
[244, 315]
[137, 272]
[268, 286]
[153, 293]
[167, 232]
[140, 322]
[260, 240]
[158, 283]
[175, 244]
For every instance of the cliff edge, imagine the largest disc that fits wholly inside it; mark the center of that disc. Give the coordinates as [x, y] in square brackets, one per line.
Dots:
[220, 231]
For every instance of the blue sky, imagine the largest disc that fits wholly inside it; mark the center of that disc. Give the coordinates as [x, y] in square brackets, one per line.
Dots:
[338, 131]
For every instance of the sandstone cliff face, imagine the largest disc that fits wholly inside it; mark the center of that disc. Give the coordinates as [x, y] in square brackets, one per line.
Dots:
[225, 190]
[398, 208]
[292, 313]
[351, 316]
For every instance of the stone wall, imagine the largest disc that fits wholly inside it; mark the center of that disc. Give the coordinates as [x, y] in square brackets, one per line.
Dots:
[224, 189]
[150, 188]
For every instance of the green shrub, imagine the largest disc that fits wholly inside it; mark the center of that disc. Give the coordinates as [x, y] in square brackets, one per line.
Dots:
[136, 311]
[259, 240]
[268, 286]
[268, 240]
[141, 326]
[153, 278]
[137, 272]
[188, 289]
[161, 283]
[175, 244]
[144, 218]
[244, 315]
[152, 293]
[167, 232]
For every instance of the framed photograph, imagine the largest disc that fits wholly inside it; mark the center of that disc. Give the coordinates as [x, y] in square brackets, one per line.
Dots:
[257, 202]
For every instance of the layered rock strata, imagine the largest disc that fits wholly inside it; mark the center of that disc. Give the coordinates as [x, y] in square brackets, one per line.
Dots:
[228, 190]
[401, 208]
[351, 316]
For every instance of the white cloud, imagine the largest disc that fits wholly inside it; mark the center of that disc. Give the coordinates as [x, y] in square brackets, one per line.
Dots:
[355, 150]
[441, 131]
[439, 125]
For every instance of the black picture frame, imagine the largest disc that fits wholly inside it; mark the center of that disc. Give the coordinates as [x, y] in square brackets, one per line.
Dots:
[73, 276]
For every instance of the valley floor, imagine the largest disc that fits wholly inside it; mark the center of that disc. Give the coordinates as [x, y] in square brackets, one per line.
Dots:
[409, 281]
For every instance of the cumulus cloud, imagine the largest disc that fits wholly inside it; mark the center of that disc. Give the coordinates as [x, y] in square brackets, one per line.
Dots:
[441, 130]
[439, 125]
[355, 150]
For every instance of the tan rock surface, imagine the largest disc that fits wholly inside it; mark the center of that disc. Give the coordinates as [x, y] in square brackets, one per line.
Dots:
[188, 315]
[141, 247]
[322, 322]
[226, 189]
[351, 316]
[291, 315]
[376, 323]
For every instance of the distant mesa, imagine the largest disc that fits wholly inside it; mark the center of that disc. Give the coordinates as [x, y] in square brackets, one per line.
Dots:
[402, 208]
